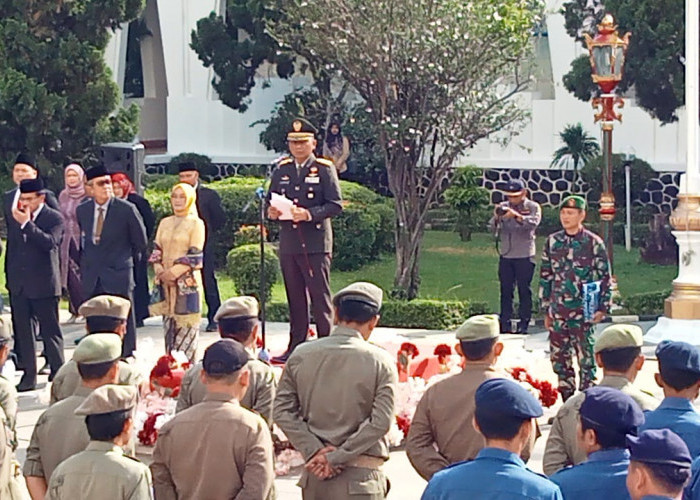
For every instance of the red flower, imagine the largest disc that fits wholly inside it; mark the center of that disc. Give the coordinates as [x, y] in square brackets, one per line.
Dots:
[149, 434]
[404, 424]
[548, 394]
[167, 375]
[442, 350]
[409, 349]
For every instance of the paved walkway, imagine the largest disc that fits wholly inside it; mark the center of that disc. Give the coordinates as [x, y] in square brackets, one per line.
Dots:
[530, 351]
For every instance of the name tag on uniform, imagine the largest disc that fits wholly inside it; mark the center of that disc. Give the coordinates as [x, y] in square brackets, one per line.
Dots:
[312, 180]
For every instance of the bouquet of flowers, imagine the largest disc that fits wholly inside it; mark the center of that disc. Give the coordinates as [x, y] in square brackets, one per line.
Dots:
[166, 376]
[542, 389]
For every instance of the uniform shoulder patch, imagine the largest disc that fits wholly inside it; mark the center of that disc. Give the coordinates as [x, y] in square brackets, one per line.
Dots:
[323, 161]
[285, 161]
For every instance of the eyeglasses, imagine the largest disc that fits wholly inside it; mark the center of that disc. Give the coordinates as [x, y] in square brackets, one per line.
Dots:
[103, 182]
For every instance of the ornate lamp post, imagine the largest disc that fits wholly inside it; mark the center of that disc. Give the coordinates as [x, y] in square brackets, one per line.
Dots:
[607, 54]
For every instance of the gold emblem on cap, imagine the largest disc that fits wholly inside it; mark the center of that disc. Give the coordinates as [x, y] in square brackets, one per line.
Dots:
[572, 202]
[296, 126]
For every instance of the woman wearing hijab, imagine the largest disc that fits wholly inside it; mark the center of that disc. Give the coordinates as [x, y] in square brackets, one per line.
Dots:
[336, 147]
[177, 259]
[68, 200]
[124, 189]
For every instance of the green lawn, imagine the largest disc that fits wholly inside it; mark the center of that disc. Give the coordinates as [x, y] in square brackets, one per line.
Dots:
[452, 269]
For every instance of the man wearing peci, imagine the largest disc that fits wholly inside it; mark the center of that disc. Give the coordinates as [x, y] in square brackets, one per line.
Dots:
[33, 279]
[214, 217]
[111, 233]
[306, 241]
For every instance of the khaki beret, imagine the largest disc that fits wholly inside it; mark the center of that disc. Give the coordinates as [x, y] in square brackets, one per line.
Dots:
[5, 328]
[238, 307]
[479, 327]
[619, 336]
[108, 398]
[98, 348]
[361, 291]
[105, 305]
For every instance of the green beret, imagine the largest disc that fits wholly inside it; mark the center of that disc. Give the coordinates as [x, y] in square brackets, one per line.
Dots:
[98, 348]
[107, 399]
[361, 291]
[619, 336]
[573, 201]
[480, 327]
[238, 307]
[105, 305]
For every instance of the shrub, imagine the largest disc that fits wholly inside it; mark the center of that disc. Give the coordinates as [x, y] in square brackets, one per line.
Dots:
[249, 235]
[651, 303]
[354, 238]
[419, 313]
[162, 183]
[243, 266]
[467, 197]
[641, 173]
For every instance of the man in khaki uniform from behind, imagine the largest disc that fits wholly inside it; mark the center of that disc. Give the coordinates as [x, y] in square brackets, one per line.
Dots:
[60, 433]
[618, 351]
[103, 314]
[441, 431]
[335, 402]
[237, 319]
[216, 449]
[102, 471]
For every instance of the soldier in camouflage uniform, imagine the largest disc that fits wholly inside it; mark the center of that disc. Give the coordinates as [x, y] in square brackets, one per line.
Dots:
[571, 258]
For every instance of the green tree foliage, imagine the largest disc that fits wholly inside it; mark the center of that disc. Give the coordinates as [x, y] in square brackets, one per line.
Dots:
[57, 97]
[654, 60]
[578, 149]
[467, 197]
[236, 46]
[436, 78]
[641, 174]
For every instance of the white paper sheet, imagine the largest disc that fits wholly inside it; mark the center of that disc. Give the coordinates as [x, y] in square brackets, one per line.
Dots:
[283, 204]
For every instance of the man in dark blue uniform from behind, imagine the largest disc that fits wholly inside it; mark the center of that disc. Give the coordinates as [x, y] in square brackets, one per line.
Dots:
[505, 414]
[306, 241]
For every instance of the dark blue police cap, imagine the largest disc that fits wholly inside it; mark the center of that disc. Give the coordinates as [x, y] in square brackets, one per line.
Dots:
[504, 397]
[659, 446]
[678, 356]
[611, 409]
[514, 186]
[224, 357]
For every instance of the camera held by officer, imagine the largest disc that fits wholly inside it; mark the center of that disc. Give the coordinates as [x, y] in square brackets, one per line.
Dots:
[514, 223]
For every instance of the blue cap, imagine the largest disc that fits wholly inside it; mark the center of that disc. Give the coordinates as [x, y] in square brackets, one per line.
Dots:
[503, 397]
[611, 409]
[659, 446]
[678, 356]
[514, 186]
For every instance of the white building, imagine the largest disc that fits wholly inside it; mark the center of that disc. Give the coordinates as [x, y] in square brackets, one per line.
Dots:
[181, 111]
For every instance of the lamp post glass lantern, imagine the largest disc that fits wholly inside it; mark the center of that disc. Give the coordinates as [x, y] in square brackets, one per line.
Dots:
[607, 53]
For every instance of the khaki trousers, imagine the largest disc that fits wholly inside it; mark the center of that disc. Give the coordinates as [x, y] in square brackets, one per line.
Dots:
[354, 483]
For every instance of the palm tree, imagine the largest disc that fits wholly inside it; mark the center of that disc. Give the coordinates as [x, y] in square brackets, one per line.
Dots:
[578, 149]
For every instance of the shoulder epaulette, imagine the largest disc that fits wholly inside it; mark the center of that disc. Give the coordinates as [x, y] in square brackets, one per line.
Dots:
[132, 458]
[285, 161]
[323, 161]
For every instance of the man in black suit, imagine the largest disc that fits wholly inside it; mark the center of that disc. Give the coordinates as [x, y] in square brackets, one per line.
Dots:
[34, 279]
[212, 213]
[111, 233]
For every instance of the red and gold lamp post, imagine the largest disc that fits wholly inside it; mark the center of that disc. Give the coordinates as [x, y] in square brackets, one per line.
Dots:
[607, 54]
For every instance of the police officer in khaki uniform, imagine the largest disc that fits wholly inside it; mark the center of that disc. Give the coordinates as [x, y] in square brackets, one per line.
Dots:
[216, 449]
[618, 351]
[237, 319]
[441, 431]
[60, 433]
[103, 314]
[8, 392]
[7, 457]
[102, 471]
[306, 241]
[335, 402]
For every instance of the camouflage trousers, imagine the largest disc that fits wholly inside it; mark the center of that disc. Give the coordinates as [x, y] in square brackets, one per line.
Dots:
[566, 338]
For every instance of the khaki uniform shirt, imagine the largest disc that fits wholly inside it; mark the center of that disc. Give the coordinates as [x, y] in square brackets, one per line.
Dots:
[338, 390]
[562, 445]
[441, 431]
[216, 449]
[7, 462]
[67, 380]
[100, 472]
[259, 397]
[58, 434]
[8, 403]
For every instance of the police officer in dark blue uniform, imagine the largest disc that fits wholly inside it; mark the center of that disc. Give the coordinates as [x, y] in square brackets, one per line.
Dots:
[679, 376]
[659, 465]
[306, 241]
[505, 414]
[607, 415]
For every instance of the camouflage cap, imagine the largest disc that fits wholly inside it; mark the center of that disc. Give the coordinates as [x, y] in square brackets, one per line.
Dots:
[573, 201]
[105, 305]
[238, 307]
[619, 336]
[361, 291]
[479, 327]
[98, 348]
[107, 399]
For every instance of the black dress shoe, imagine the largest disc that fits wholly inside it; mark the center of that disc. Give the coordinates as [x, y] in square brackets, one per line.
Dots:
[139, 324]
[45, 370]
[25, 385]
[211, 327]
[282, 359]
